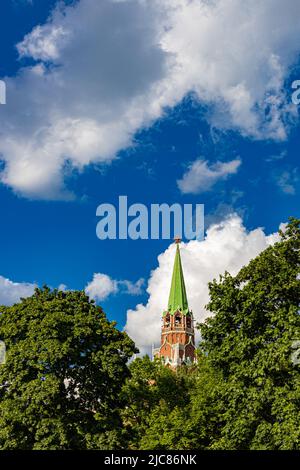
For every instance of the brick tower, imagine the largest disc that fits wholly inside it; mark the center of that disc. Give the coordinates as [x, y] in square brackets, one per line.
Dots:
[177, 332]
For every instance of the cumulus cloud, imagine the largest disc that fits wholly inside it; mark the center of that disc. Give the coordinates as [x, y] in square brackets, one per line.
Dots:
[62, 287]
[103, 285]
[11, 292]
[88, 92]
[227, 247]
[201, 176]
[236, 55]
[287, 181]
[132, 288]
[99, 288]
[102, 70]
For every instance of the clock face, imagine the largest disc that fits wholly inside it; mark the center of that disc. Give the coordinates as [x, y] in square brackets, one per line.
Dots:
[2, 352]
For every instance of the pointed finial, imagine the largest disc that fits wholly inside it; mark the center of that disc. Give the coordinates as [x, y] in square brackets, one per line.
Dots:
[177, 240]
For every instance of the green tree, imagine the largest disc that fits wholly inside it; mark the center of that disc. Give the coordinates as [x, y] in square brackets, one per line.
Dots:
[190, 418]
[249, 342]
[65, 365]
[153, 390]
[245, 392]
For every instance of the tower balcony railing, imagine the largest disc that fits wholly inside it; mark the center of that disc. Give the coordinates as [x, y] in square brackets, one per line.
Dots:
[177, 328]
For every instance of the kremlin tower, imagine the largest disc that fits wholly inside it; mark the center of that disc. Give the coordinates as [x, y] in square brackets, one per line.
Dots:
[177, 332]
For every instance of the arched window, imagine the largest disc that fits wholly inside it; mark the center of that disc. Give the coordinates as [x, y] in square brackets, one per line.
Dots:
[167, 321]
[177, 320]
[189, 322]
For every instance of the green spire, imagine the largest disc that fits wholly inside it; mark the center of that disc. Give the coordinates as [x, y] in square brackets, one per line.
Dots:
[177, 298]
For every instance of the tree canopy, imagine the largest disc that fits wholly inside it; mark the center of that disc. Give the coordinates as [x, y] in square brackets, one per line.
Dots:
[65, 365]
[68, 383]
[245, 391]
[249, 339]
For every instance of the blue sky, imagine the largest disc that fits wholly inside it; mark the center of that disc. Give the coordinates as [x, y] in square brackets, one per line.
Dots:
[52, 240]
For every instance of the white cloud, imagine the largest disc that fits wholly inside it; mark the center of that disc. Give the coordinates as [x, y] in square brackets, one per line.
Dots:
[86, 105]
[62, 287]
[105, 69]
[11, 292]
[287, 181]
[43, 43]
[236, 55]
[132, 288]
[99, 288]
[201, 176]
[227, 246]
[103, 285]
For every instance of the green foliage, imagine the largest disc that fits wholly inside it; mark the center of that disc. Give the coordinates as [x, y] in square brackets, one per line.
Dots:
[245, 391]
[186, 418]
[67, 384]
[152, 390]
[65, 366]
[170, 410]
[249, 340]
